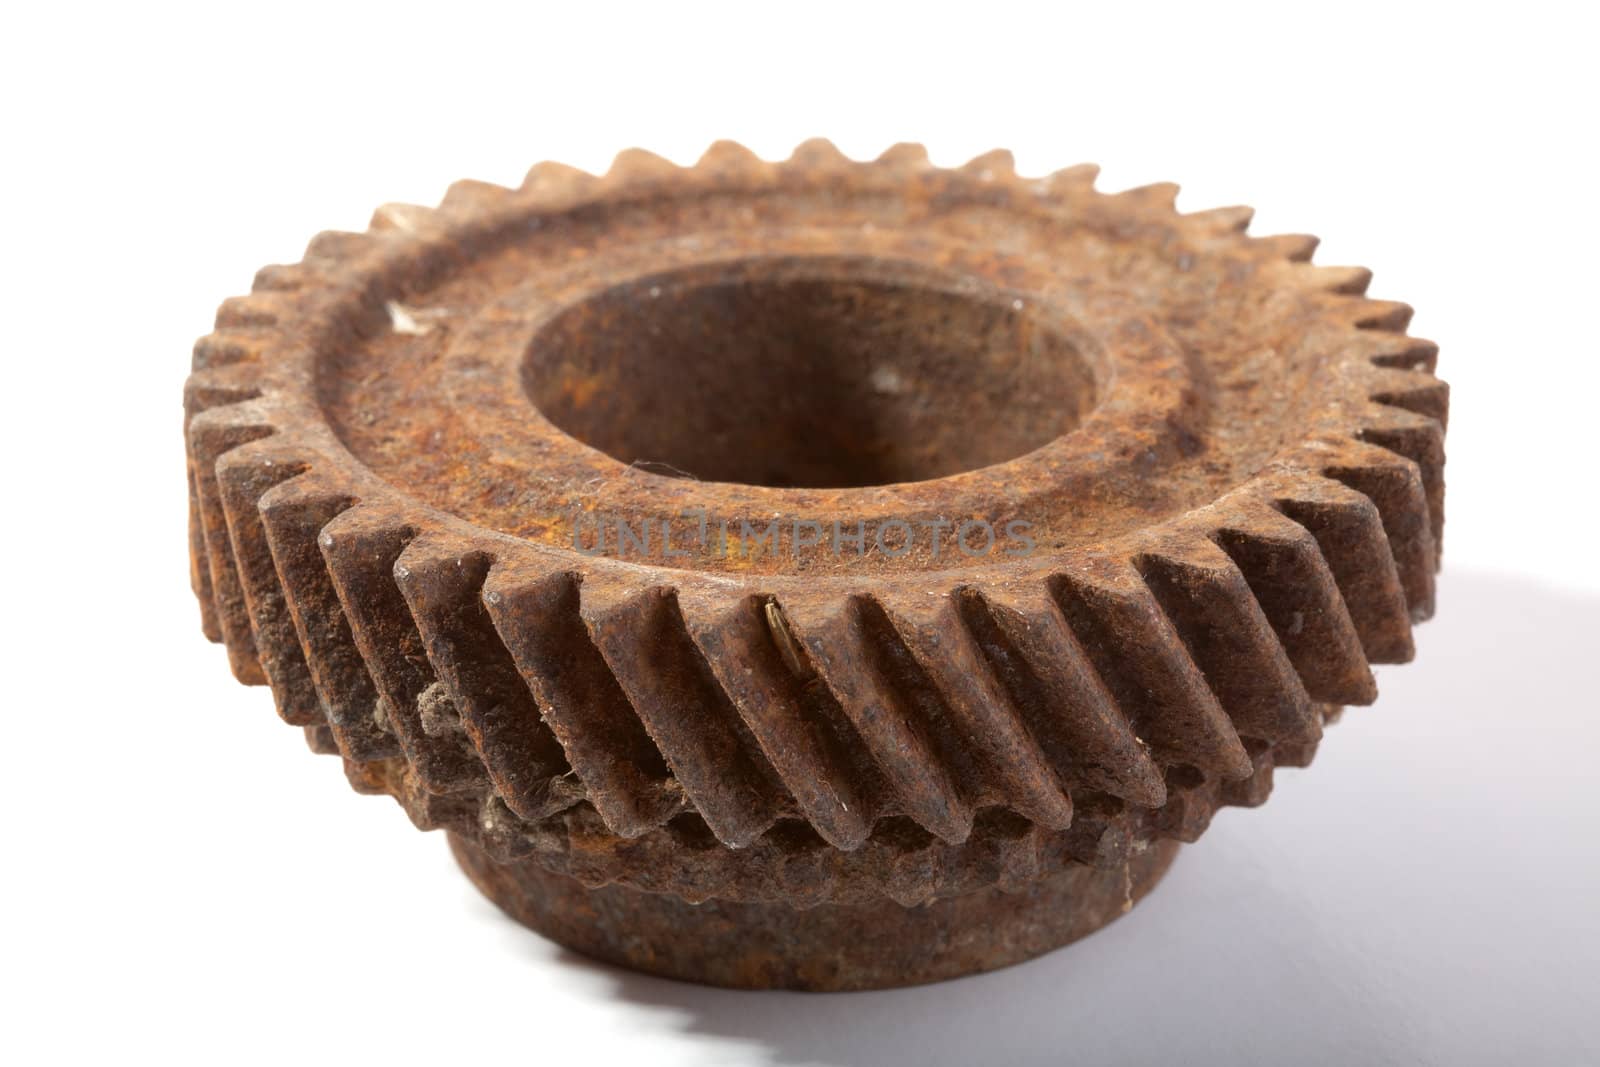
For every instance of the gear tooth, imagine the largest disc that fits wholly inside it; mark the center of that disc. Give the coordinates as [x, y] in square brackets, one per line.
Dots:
[212, 433]
[1300, 598]
[907, 856]
[401, 218]
[319, 739]
[471, 198]
[209, 387]
[972, 713]
[1158, 687]
[995, 165]
[1069, 710]
[1159, 196]
[441, 582]
[1192, 799]
[1398, 352]
[1346, 281]
[641, 634]
[1350, 533]
[640, 164]
[839, 641]
[292, 514]
[1102, 834]
[1394, 483]
[747, 647]
[549, 179]
[905, 155]
[263, 308]
[819, 153]
[337, 247]
[732, 158]
[1419, 438]
[1417, 392]
[1230, 639]
[535, 611]
[1079, 178]
[1388, 315]
[361, 547]
[244, 476]
[279, 278]
[200, 564]
[1294, 247]
[1252, 792]
[1222, 220]
[230, 347]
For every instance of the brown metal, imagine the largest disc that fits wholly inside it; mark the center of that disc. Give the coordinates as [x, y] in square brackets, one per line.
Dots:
[817, 574]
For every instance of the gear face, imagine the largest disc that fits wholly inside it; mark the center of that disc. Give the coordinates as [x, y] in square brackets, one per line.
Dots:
[818, 538]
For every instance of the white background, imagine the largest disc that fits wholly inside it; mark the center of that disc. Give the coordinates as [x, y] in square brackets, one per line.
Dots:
[184, 881]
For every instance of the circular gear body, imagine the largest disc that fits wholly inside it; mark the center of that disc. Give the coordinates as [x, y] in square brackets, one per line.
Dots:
[813, 535]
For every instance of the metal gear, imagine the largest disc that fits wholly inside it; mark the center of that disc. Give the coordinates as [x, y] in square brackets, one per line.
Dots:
[880, 758]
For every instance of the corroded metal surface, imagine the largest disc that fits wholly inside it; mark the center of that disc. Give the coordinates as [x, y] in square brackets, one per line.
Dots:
[813, 535]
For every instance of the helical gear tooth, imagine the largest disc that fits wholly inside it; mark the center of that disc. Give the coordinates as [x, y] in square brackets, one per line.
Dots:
[279, 278]
[1222, 220]
[212, 433]
[402, 219]
[840, 645]
[1077, 179]
[1157, 196]
[209, 387]
[1192, 799]
[996, 165]
[244, 476]
[1294, 247]
[1388, 315]
[467, 198]
[230, 347]
[819, 153]
[262, 308]
[200, 564]
[1161, 691]
[1419, 438]
[1415, 391]
[908, 857]
[293, 513]
[1102, 834]
[905, 155]
[1350, 533]
[1253, 791]
[640, 165]
[1394, 483]
[732, 159]
[973, 712]
[361, 546]
[1069, 710]
[441, 581]
[1398, 351]
[640, 632]
[558, 181]
[1214, 610]
[1345, 281]
[1298, 594]
[805, 737]
[535, 611]
[319, 739]
[337, 247]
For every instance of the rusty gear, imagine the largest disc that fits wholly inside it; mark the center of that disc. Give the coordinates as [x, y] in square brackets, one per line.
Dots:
[1222, 465]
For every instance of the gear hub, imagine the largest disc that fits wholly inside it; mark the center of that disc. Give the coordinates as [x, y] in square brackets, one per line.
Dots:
[815, 574]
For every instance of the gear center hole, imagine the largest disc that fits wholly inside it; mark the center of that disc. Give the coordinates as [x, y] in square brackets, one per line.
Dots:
[810, 373]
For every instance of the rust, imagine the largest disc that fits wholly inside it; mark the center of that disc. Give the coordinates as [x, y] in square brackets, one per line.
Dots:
[821, 574]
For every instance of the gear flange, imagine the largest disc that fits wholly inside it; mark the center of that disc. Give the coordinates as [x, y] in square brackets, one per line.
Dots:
[818, 539]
